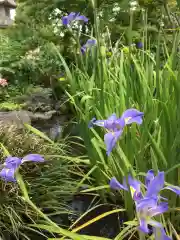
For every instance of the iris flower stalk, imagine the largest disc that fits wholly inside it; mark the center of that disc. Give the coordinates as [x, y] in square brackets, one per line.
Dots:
[115, 126]
[148, 205]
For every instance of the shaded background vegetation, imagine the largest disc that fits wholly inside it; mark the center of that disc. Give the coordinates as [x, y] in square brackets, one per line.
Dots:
[27, 56]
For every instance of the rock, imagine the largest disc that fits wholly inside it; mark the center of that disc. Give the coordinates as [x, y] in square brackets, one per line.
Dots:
[14, 118]
[19, 118]
[40, 100]
[41, 116]
[54, 127]
[39, 109]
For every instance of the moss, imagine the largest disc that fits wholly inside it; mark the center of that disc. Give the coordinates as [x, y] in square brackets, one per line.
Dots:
[10, 106]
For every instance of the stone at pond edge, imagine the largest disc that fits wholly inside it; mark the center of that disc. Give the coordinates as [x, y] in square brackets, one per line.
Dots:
[19, 118]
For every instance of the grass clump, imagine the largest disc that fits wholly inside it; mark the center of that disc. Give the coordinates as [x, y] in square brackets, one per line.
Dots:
[50, 185]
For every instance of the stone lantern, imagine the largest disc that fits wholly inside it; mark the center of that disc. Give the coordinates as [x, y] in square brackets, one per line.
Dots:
[5, 7]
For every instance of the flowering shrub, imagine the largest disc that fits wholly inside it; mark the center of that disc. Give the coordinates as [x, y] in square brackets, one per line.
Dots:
[3, 82]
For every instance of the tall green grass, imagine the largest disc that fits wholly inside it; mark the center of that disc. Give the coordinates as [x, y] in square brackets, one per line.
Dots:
[50, 186]
[142, 79]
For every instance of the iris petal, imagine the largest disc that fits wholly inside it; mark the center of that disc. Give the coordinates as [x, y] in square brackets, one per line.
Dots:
[154, 223]
[8, 174]
[12, 162]
[82, 18]
[143, 226]
[159, 209]
[160, 234]
[135, 187]
[139, 45]
[120, 122]
[33, 158]
[83, 49]
[137, 120]
[73, 16]
[66, 20]
[114, 184]
[113, 117]
[91, 123]
[132, 115]
[110, 125]
[174, 189]
[149, 177]
[99, 123]
[110, 140]
[146, 203]
[156, 185]
[90, 43]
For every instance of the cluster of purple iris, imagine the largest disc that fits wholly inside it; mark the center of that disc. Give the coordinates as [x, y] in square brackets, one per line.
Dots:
[148, 205]
[73, 17]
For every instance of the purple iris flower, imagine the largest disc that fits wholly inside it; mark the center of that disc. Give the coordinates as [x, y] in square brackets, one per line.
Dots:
[146, 209]
[33, 158]
[155, 184]
[115, 126]
[7, 174]
[88, 45]
[147, 206]
[139, 45]
[11, 164]
[67, 20]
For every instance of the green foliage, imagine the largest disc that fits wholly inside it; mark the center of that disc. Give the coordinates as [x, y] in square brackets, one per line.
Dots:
[50, 185]
[26, 55]
[100, 87]
[10, 106]
[24, 63]
[36, 48]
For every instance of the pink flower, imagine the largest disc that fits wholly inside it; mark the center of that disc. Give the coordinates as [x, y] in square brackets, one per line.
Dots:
[3, 82]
